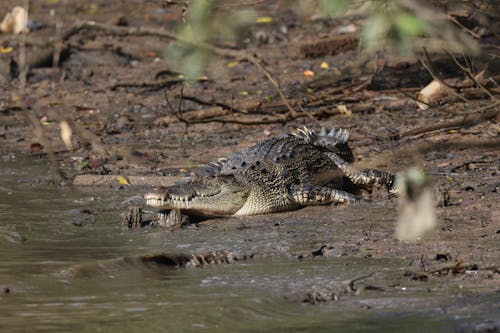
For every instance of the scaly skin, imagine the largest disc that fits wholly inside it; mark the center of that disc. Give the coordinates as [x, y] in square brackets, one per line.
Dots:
[207, 196]
[277, 174]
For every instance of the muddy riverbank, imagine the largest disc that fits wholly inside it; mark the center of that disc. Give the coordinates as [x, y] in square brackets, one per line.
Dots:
[68, 263]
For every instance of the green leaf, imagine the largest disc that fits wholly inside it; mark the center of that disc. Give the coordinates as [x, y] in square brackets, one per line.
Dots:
[375, 31]
[409, 25]
[334, 7]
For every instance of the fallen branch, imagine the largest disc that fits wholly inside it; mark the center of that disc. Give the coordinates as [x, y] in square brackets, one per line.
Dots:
[413, 153]
[475, 117]
[476, 93]
[278, 115]
[214, 103]
[155, 85]
[471, 76]
[189, 117]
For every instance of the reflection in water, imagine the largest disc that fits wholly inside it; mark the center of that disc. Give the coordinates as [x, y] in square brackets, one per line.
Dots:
[64, 271]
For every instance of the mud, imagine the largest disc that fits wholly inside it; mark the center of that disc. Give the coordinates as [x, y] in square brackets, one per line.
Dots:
[122, 126]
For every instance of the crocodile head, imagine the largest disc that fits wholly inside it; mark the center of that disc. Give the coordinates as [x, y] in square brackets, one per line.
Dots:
[208, 196]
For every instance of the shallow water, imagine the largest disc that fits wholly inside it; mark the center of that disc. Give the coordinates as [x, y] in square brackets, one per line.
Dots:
[46, 231]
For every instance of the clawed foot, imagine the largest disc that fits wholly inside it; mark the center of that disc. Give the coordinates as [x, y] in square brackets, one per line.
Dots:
[134, 218]
[172, 220]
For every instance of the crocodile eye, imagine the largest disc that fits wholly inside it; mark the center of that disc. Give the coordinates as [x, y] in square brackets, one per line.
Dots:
[257, 163]
[243, 164]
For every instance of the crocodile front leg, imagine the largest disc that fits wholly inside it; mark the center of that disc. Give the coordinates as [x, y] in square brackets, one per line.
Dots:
[369, 177]
[172, 220]
[309, 195]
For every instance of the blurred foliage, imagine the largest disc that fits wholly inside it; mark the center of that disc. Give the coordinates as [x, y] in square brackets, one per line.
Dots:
[334, 7]
[204, 25]
[400, 25]
[394, 24]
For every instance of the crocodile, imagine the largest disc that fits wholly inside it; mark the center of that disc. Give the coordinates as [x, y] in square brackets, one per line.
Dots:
[278, 174]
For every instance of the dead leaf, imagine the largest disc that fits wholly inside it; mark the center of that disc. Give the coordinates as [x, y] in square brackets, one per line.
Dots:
[36, 148]
[308, 73]
[264, 19]
[15, 22]
[122, 180]
[343, 110]
[6, 49]
[66, 134]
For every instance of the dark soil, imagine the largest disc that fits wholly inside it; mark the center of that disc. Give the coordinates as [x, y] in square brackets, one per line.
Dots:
[131, 130]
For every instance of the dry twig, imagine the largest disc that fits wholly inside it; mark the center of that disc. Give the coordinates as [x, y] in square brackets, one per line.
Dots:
[471, 76]
[438, 78]
[481, 114]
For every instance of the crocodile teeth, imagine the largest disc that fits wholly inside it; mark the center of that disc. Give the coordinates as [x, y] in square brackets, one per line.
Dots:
[155, 199]
[182, 199]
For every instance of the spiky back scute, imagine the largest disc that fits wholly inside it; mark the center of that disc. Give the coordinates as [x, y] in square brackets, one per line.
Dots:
[323, 138]
[334, 141]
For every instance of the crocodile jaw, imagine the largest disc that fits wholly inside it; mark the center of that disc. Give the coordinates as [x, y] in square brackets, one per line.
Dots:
[209, 196]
